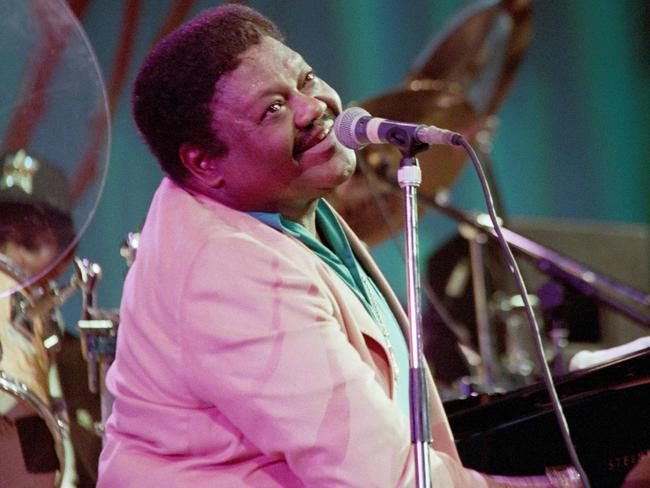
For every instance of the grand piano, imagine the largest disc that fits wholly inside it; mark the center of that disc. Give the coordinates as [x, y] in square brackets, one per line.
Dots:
[607, 408]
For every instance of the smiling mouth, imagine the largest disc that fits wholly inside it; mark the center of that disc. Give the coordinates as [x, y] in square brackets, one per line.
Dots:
[320, 131]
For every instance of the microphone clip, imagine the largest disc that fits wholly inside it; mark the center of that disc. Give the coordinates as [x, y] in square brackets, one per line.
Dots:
[404, 138]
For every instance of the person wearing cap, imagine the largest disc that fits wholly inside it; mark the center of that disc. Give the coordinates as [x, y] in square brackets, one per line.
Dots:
[35, 222]
[36, 236]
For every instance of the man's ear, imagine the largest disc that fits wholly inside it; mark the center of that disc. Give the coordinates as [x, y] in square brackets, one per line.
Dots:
[201, 164]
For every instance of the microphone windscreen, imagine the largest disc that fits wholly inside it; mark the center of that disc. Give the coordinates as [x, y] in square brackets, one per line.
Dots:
[344, 127]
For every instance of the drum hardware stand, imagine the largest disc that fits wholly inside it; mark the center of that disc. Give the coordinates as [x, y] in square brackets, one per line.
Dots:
[409, 177]
[488, 367]
[97, 337]
[45, 307]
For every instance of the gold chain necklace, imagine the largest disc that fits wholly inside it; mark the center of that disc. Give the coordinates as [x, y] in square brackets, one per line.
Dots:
[374, 305]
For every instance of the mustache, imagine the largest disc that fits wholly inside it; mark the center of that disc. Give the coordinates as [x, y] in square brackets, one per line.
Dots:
[310, 135]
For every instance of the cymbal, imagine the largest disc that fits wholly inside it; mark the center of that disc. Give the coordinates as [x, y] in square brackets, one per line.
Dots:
[371, 199]
[481, 49]
[458, 82]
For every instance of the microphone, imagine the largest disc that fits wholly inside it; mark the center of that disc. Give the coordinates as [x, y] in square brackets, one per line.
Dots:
[355, 128]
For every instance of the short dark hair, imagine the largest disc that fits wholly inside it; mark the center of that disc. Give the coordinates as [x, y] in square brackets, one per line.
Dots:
[33, 225]
[175, 87]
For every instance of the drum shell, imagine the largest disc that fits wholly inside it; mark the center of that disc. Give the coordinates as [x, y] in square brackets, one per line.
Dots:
[32, 445]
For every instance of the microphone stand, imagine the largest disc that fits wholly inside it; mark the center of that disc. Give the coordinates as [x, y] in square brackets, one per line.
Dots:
[409, 177]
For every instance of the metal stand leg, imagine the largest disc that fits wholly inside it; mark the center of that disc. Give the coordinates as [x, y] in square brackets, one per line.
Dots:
[488, 367]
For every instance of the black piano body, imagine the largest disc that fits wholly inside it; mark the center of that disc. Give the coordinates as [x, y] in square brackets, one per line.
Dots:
[607, 408]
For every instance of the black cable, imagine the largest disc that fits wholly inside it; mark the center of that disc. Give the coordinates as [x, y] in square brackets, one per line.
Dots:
[534, 327]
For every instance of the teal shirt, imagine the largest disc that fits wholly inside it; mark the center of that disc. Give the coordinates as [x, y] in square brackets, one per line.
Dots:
[339, 256]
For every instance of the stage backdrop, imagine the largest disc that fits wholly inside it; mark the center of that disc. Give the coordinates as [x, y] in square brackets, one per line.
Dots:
[572, 142]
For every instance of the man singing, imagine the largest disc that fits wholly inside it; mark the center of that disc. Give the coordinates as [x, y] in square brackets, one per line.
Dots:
[254, 346]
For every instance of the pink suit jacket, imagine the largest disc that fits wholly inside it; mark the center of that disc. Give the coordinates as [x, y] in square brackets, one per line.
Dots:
[244, 360]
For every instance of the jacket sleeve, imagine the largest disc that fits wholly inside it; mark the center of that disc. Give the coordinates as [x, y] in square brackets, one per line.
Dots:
[263, 345]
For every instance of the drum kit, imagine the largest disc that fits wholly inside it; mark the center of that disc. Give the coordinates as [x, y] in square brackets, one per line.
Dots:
[53, 96]
[458, 82]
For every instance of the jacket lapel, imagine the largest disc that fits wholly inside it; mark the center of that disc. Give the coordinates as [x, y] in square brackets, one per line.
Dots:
[443, 439]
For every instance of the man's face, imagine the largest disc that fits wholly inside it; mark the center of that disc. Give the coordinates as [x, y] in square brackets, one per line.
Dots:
[276, 118]
[31, 261]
